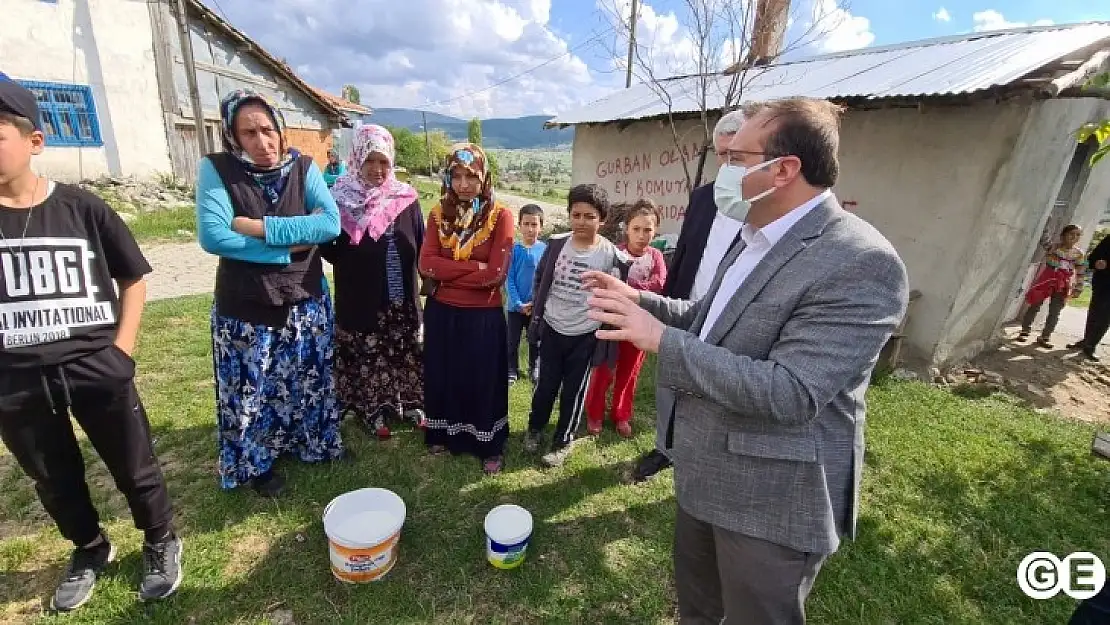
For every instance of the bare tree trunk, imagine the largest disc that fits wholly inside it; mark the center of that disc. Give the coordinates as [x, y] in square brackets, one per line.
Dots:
[703, 154]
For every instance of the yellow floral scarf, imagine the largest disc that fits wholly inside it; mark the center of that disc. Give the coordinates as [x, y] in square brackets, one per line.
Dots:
[463, 226]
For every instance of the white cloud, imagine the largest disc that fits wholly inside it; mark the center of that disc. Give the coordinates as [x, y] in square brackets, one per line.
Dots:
[838, 28]
[663, 44]
[993, 20]
[416, 52]
[942, 15]
[671, 49]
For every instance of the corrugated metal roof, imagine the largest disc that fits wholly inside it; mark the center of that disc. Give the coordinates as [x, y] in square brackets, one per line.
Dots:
[934, 67]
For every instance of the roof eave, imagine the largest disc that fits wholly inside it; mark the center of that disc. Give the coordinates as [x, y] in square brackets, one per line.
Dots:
[335, 114]
[1031, 90]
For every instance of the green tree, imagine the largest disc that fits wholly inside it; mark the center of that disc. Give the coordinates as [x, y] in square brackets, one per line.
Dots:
[1099, 131]
[350, 93]
[412, 150]
[533, 170]
[474, 131]
[494, 167]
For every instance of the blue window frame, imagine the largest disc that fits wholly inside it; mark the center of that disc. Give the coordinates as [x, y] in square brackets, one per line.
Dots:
[68, 114]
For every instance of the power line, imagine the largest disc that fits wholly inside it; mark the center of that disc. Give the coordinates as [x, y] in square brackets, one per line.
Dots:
[470, 94]
[221, 10]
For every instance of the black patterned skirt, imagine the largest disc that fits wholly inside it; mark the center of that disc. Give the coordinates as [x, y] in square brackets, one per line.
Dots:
[466, 379]
[380, 375]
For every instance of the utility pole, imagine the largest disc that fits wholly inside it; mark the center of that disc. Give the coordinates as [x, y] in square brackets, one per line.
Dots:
[768, 31]
[631, 45]
[191, 74]
[427, 142]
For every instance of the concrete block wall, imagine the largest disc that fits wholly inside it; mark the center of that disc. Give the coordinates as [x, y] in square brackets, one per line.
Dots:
[106, 45]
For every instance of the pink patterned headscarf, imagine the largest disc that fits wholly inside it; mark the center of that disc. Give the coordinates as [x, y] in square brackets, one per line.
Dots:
[364, 208]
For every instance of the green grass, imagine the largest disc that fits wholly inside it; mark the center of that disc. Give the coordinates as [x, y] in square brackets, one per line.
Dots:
[1084, 299]
[429, 193]
[956, 492]
[559, 196]
[170, 224]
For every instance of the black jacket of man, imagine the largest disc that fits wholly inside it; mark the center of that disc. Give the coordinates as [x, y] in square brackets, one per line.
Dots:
[1100, 278]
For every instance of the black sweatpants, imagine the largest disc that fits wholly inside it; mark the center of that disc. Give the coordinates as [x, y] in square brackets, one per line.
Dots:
[565, 365]
[518, 324]
[1098, 315]
[99, 391]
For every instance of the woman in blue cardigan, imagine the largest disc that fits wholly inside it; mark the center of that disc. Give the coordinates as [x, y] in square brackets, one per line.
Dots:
[263, 208]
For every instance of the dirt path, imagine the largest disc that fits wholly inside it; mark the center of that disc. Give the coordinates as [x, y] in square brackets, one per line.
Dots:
[185, 269]
[553, 212]
[1054, 379]
[179, 269]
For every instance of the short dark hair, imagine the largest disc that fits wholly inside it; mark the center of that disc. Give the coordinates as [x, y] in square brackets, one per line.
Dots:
[809, 129]
[1068, 229]
[643, 207]
[22, 124]
[531, 209]
[591, 194]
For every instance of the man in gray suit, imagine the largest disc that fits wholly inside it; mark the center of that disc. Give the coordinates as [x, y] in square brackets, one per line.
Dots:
[768, 372]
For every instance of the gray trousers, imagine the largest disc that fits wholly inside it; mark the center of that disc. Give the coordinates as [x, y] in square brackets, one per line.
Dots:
[1055, 304]
[663, 397]
[727, 577]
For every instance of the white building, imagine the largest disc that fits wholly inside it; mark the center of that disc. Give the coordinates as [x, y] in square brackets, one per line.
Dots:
[111, 82]
[960, 150]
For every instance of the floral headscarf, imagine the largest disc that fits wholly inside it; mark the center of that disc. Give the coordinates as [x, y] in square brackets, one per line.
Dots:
[271, 179]
[464, 226]
[364, 208]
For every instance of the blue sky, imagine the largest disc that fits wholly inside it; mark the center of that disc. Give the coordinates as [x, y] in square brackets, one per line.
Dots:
[491, 58]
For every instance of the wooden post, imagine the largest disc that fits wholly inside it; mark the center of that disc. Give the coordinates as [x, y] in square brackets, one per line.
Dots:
[191, 75]
[768, 30]
[427, 143]
[631, 45]
[1101, 445]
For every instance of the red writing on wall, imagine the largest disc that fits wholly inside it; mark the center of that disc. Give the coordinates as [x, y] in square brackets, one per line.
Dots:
[658, 175]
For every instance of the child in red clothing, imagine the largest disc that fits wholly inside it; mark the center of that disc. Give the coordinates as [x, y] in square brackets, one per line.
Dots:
[1060, 279]
[647, 273]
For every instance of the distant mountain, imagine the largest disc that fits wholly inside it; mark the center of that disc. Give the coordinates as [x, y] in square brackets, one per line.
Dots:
[506, 133]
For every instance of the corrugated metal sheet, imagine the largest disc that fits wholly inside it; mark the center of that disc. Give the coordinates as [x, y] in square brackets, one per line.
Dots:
[935, 67]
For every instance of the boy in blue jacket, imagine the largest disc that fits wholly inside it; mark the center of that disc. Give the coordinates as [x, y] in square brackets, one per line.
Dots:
[518, 285]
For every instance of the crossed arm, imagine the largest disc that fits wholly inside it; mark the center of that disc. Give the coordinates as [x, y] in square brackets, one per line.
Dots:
[270, 240]
[469, 274]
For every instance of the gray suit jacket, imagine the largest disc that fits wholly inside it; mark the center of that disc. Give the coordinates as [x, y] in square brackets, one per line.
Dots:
[767, 414]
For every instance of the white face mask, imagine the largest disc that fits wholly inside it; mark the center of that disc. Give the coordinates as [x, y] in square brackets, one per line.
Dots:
[728, 193]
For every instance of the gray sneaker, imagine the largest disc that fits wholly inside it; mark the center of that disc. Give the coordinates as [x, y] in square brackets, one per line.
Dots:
[533, 441]
[161, 569]
[85, 566]
[557, 457]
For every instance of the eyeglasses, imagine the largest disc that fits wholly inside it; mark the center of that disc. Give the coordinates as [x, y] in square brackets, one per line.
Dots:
[735, 155]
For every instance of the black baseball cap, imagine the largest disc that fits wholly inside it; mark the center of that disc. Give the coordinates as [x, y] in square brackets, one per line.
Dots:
[18, 100]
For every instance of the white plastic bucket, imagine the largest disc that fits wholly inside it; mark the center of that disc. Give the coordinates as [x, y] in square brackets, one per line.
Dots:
[508, 532]
[363, 528]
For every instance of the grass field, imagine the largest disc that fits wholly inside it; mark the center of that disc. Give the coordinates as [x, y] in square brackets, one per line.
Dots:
[956, 492]
[1083, 301]
[165, 225]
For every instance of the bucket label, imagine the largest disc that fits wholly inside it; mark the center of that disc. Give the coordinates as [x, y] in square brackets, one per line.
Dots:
[506, 556]
[357, 563]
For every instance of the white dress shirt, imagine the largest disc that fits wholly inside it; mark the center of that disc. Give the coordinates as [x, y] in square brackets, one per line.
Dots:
[721, 235]
[756, 245]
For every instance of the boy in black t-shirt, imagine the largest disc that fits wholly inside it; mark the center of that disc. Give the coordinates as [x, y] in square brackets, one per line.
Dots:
[65, 345]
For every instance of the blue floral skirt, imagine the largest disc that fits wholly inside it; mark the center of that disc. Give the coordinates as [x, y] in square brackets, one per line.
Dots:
[275, 391]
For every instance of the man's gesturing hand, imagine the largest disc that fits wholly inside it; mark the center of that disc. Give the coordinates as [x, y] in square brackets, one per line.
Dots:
[633, 324]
